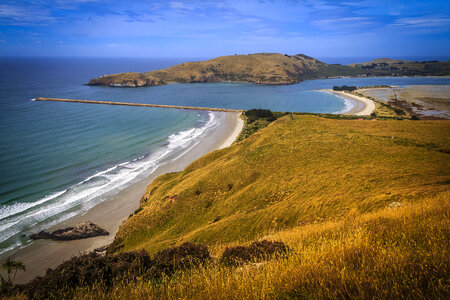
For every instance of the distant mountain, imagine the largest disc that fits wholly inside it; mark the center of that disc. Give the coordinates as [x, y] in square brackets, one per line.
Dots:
[269, 68]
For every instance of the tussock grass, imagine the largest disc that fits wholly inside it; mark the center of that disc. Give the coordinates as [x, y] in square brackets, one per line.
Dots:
[391, 253]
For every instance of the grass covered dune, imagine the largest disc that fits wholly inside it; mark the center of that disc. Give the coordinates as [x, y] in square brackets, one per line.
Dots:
[361, 206]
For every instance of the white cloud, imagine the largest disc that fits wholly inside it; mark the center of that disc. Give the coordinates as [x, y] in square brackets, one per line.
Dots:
[179, 6]
[24, 15]
[422, 22]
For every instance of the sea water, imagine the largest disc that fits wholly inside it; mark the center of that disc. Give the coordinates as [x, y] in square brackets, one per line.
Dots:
[61, 159]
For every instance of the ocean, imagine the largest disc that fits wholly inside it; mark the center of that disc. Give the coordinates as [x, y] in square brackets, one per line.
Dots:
[61, 159]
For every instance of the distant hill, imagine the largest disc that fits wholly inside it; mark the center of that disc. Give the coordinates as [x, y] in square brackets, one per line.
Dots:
[381, 61]
[399, 67]
[269, 68]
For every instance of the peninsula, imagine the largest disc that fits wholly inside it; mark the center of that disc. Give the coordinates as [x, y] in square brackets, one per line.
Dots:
[269, 68]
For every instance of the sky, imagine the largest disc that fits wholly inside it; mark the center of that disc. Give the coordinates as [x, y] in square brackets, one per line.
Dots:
[319, 28]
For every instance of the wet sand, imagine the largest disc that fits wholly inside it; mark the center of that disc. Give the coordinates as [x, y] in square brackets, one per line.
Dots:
[426, 101]
[110, 214]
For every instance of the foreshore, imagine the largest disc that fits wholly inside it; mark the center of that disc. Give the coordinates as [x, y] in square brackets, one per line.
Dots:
[110, 214]
[361, 106]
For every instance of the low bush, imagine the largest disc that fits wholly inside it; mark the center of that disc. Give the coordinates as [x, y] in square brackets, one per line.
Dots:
[260, 250]
[255, 114]
[96, 270]
[344, 88]
[186, 255]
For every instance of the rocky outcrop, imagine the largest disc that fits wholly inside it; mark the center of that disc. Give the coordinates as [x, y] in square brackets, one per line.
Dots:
[81, 231]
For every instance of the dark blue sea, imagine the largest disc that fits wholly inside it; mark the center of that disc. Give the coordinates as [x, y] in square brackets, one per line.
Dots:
[61, 159]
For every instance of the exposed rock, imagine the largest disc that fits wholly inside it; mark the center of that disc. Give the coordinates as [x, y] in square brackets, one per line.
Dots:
[81, 231]
[101, 249]
[395, 204]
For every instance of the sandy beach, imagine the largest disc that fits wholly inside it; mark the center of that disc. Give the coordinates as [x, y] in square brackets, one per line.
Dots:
[110, 214]
[361, 106]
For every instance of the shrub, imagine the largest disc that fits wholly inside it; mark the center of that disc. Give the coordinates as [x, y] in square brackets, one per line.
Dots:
[344, 88]
[94, 269]
[260, 250]
[399, 112]
[89, 269]
[256, 113]
[186, 255]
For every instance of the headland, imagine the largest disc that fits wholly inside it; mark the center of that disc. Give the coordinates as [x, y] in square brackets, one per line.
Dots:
[269, 69]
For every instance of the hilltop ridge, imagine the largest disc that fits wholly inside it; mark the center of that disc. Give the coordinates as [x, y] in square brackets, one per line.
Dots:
[268, 68]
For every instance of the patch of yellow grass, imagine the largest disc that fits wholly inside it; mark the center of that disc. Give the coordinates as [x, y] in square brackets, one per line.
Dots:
[391, 253]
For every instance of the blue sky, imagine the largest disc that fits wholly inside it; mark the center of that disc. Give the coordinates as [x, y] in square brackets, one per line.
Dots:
[322, 28]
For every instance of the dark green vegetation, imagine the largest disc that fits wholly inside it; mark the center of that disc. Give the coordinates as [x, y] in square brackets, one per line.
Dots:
[268, 68]
[95, 270]
[345, 88]
[256, 119]
[256, 251]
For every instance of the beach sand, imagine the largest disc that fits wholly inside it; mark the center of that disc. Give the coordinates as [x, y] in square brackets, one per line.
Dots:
[361, 106]
[110, 214]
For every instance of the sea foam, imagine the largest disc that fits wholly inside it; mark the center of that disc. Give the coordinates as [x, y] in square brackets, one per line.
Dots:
[20, 218]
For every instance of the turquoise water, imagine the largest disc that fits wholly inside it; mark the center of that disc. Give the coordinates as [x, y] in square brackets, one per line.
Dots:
[59, 159]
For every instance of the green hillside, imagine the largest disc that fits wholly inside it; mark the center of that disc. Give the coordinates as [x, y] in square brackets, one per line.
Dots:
[293, 172]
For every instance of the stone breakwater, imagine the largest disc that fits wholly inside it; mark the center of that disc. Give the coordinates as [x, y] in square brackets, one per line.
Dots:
[138, 104]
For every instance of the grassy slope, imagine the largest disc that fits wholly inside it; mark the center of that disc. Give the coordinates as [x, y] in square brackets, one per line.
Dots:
[292, 173]
[321, 186]
[388, 254]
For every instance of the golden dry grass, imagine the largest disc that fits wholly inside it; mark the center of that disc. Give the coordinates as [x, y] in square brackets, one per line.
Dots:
[391, 253]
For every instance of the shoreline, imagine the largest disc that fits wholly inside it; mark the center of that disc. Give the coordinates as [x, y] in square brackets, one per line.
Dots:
[110, 214]
[361, 106]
